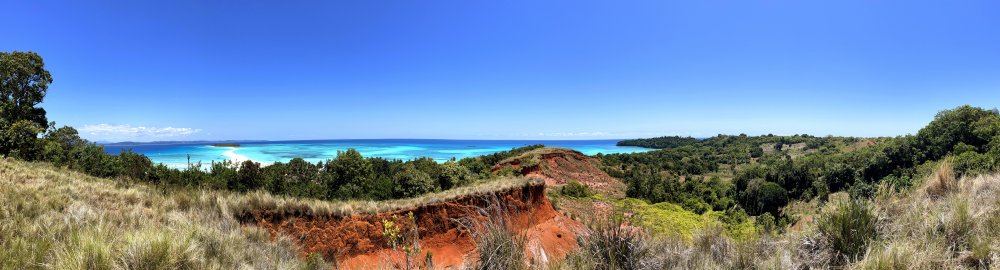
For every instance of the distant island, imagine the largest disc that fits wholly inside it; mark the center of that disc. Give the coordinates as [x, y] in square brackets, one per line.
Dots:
[225, 144]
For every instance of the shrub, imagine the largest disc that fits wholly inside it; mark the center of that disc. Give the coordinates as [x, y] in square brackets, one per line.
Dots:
[766, 223]
[762, 196]
[249, 177]
[861, 190]
[972, 163]
[575, 189]
[412, 182]
[454, 175]
[849, 229]
[135, 166]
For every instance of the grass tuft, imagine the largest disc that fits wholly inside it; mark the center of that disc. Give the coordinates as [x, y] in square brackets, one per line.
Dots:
[849, 229]
[499, 247]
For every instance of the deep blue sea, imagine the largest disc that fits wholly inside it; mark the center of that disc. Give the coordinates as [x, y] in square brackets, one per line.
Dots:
[266, 152]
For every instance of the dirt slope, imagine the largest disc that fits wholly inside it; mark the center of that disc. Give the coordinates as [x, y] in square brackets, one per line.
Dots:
[557, 166]
[357, 241]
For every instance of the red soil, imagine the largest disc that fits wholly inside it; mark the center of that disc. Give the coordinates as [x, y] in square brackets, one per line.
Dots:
[356, 241]
[557, 166]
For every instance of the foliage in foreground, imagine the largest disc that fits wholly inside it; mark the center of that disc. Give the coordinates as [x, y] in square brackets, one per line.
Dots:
[849, 228]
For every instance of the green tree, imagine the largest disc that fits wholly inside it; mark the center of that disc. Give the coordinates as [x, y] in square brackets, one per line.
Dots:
[23, 84]
[411, 182]
[575, 189]
[58, 144]
[135, 166]
[249, 177]
[756, 152]
[951, 127]
[354, 175]
[454, 175]
[20, 140]
[764, 197]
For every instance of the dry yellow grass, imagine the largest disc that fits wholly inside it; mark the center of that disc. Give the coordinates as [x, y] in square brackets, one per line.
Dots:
[56, 219]
[284, 205]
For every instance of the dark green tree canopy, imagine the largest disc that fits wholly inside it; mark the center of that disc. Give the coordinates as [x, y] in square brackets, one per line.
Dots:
[23, 83]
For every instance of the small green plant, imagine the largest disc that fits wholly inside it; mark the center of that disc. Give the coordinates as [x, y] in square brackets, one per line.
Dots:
[850, 228]
[315, 262]
[766, 224]
[429, 260]
[408, 243]
[575, 189]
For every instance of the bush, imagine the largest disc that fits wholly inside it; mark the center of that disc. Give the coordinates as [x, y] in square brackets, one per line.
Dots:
[575, 189]
[766, 223]
[135, 166]
[972, 163]
[249, 177]
[19, 140]
[849, 229]
[454, 175]
[764, 197]
[411, 182]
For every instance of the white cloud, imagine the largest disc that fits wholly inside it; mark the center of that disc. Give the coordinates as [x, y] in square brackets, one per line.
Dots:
[118, 132]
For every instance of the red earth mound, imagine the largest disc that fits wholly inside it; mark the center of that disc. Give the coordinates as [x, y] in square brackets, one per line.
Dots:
[444, 230]
[557, 166]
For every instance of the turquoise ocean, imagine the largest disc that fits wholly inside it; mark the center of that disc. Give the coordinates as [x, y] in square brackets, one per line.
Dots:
[176, 154]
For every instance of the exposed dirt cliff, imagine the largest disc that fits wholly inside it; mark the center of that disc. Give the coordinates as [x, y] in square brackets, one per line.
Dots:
[445, 229]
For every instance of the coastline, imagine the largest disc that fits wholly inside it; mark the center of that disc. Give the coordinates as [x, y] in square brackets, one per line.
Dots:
[177, 155]
[237, 158]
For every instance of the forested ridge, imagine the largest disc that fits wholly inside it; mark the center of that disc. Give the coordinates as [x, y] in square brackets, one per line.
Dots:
[759, 175]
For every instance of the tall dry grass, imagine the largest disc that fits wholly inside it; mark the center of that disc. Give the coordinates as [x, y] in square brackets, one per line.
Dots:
[57, 219]
[243, 204]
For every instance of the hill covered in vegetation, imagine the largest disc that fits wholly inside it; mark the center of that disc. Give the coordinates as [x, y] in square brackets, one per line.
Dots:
[762, 174]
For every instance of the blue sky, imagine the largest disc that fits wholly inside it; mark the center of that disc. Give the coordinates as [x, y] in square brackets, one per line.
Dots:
[191, 70]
